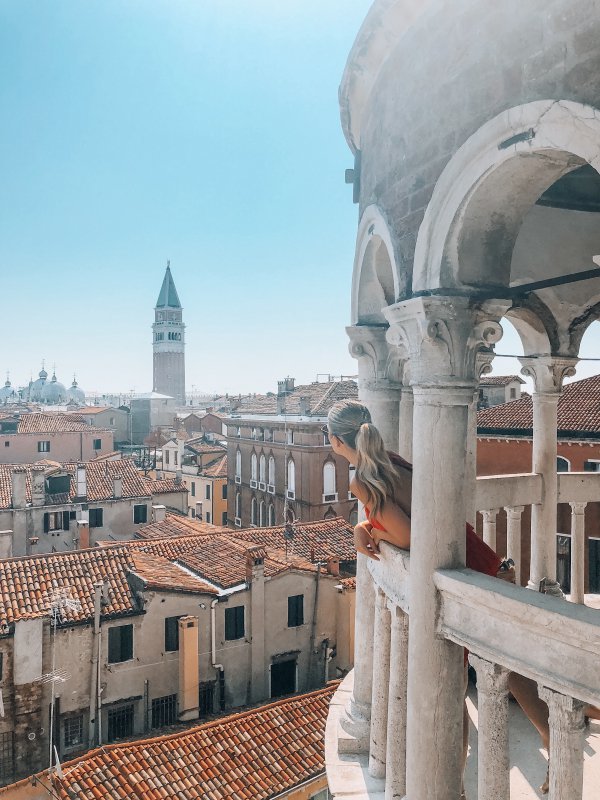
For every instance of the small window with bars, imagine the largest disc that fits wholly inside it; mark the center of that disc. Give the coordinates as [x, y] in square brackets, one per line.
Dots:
[7, 757]
[206, 699]
[120, 722]
[164, 711]
[73, 731]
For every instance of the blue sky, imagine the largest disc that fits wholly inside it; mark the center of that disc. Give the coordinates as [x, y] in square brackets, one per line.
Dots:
[206, 132]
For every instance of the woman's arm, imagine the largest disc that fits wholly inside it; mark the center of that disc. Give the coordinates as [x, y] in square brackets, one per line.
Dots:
[391, 517]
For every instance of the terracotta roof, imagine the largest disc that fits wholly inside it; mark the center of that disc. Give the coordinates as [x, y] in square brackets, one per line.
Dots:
[202, 447]
[39, 422]
[163, 486]
[174, 525]
[499, 380]
[91, 410]
[319, 396]
[216, 469]
[314, 541]
[349, 584]
[99, 475]
[255, 755]
[578, 412]
[160, 573]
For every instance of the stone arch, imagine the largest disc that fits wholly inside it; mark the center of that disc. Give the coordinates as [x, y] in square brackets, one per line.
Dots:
[375, 278]
[479, 203]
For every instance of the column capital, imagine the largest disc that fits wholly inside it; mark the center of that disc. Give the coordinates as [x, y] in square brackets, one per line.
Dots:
[563, 709]
[578, 508]
[548, 372]
[490, 514]
[444, 337]
[491, 678]
[380, 365]
[514, 511]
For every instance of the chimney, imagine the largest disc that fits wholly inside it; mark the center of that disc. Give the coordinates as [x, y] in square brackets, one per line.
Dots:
[118, 487]
[188, 668]
[81, 482]
[83, 534]
[38, 486]
[333, 566]
[255, 563]
[304, 406]
[19, 482]
[178, 476]
[159, 513]
[284, 388]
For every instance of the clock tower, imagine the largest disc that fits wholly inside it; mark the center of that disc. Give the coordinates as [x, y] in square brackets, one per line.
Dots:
[168, 342]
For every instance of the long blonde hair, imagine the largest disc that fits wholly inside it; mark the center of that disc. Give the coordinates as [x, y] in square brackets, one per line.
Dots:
[351, 422]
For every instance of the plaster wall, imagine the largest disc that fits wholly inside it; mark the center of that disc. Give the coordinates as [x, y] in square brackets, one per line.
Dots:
[65, 446]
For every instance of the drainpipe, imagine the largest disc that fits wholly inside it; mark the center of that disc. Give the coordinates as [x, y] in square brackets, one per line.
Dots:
[313, 627]
[213, 653]
[100, 597]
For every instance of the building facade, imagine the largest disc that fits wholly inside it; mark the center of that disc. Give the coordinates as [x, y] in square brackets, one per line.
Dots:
[168, 342]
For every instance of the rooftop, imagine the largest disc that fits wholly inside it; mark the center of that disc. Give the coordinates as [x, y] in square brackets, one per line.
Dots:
[40, 422]
[168, 297]
[175, 526]
[254, 755]
[499, 380]
[319, 398]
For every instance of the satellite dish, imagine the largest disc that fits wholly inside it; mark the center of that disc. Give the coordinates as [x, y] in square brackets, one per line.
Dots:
[31, 736]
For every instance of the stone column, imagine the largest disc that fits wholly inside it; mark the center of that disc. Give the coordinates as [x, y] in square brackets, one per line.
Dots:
[513, 538]
[379, 371]
[567, 732]
[395, 784]
[381, 681]
[577, 552]
[493, 770]
[548, 373]
[442, 336]
[489, 526]
[355, 723]
[405, 432]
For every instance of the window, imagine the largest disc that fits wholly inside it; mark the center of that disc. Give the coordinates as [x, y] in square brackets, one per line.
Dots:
[591, 466]
[140, 513]
[295, 610]
[238, 432]
[291, 476]
[322, 795]
[271, 470]
[193, 487]
[563, 561]
[238, 504]
[254, 467]
[120, 644]
[111, 421]
[513, 394]
[254, 433]
[594, 565]
[175, 458]
[97, 444]
[329, 482]
[290, 437]
[73, 731]
[224, 491]
[206, 699]
[208, 516]
[56, 521]
[58, 484]
[271, 515]
[253, 512]
[167, 456]
[262, 514]
[7, 757]
[208, 491]
[120, 722]
[562, 464]
[164, 711]
[171, 634]
[224, 518]
[6, 444]
[43, 447]
[96, 517]
[262, 471]
[351, 474]
[234, 623]
[238, 464]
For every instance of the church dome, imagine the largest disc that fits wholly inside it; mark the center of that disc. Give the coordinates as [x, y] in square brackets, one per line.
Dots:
[54, 392]
[8, 394]
[35, 387]
[75, 394]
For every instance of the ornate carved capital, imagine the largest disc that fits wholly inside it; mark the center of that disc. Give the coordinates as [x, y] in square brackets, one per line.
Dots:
[548, 372]
[379, 365]
[448, 340]
[491, 678]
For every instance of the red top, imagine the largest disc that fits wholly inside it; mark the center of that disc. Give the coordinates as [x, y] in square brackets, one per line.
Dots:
[480, 557]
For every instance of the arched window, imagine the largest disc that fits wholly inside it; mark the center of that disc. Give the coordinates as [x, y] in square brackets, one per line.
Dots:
[262, 514]
[254, 467]
[271, 515]
[329, 487]
[262, 470]
[238, 504]
[238, 466]
[354, 515]
[271, 471]
[291, 476]
[253, 512]
[562, 465]
[351, 474]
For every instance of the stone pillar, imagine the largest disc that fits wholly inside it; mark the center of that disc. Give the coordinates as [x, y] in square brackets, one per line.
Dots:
[513, 538]
[395, 758]
[493, 770]
[379, 368]
[577, 552]
[442, 336]
[567, 732]
[471, 463]
[405, 428]
[548, 373]
[355, 723]
[381, 681]
[489, 526]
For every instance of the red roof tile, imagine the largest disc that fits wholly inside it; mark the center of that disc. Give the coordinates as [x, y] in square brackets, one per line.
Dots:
[216, 469]
[174, 525]
[163, 486]
[319, 396]
[255, 755]
[40, 422]
[499, 380]
[160, 573]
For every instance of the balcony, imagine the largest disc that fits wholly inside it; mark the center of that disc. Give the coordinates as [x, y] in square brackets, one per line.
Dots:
[506, 629]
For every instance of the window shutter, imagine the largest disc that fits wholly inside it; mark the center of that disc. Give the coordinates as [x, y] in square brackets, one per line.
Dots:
[65, 520]
[229, 624]
[46, 522]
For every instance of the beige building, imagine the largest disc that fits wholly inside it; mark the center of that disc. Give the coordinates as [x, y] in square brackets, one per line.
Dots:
[202, 464]
[117, 420]
[185, 626]
[28, 437]
[48, 507]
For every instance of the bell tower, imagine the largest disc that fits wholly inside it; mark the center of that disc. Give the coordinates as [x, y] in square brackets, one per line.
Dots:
[168, 342]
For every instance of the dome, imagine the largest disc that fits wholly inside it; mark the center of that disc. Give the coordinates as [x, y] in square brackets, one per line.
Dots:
[7, 393]
[75, 394]
[35, 387]
[54, 392]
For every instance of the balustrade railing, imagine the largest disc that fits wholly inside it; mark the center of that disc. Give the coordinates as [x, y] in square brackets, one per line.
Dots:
[505, 628]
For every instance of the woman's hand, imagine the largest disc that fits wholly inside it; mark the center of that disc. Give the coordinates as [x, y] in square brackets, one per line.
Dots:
[364, 541]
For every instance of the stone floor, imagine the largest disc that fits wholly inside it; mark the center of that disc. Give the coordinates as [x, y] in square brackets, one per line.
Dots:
[528, 760]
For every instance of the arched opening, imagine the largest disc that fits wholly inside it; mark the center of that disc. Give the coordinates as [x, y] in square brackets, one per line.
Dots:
[271, 515]
[375, 282]
[253, 511]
